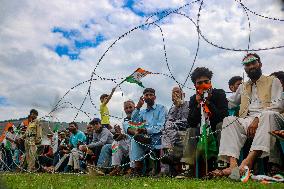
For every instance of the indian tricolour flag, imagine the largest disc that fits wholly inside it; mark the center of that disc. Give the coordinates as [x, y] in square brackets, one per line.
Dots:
[137, 76]
[114, 148]
[138, 125]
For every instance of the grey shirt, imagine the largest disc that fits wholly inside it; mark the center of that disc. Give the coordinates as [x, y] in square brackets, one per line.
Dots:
[176, 121]
[102, 138]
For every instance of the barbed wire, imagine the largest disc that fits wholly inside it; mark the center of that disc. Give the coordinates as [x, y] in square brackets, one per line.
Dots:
[200, 35]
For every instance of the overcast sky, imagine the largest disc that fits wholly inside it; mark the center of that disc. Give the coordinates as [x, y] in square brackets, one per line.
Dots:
[47, 47]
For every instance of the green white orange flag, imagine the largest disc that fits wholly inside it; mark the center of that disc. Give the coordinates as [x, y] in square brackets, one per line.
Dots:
[138, 125]
[137, 76]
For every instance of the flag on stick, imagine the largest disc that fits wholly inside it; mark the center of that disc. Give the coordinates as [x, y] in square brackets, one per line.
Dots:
[137, 76]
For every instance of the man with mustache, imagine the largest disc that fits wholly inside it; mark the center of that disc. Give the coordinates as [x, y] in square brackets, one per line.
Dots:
[260, 101]
[153, 117]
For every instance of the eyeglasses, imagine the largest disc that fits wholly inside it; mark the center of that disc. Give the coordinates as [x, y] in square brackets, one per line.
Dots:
[207, 81]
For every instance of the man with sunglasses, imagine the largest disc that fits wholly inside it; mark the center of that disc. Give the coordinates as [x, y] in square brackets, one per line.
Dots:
[216, 103]
[260, 101]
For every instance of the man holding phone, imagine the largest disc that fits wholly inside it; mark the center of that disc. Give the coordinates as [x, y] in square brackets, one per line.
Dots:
[147, 134]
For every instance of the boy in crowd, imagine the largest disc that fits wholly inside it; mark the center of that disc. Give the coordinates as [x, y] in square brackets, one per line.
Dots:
[105, 98]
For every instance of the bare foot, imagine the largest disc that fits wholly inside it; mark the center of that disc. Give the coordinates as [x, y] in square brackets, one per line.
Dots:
[244, 163]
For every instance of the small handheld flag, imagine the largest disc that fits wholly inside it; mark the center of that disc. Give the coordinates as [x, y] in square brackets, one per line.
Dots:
[137, 76]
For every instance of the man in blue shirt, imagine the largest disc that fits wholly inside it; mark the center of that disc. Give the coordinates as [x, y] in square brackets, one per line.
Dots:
[153, 118]
[77, 138]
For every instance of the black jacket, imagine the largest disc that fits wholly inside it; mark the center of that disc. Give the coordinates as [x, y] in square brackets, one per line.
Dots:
[218, 105]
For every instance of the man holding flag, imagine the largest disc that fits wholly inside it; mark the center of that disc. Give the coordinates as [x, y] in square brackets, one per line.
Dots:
[207, 109]
[148, 128]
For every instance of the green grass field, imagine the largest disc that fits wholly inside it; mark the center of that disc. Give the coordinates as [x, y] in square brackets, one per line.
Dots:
[89, 181]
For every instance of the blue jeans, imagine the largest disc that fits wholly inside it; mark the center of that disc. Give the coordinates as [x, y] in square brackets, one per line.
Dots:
[105, 156]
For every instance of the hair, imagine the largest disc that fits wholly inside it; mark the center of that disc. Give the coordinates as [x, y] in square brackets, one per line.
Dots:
[253, 54]
[128, 101]
[199, 72]
[234, 79]
[34, 111]
[74, 123]
[279, 75]
[147, 90]
[103, 96]
[95, 121]
[10, 129]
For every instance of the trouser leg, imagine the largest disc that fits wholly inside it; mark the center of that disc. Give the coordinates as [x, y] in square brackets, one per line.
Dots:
[233, 136]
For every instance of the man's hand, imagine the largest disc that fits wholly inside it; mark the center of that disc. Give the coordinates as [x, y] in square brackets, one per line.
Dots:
[177, 99]
[140, 103]
[113, 89]
[252, 128]
[83, 148]
[208, 97]
[119, 137]
[198, 100]
[141, 131]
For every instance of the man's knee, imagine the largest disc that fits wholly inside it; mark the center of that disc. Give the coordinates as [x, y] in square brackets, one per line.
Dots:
[269, 113]
[228, 121]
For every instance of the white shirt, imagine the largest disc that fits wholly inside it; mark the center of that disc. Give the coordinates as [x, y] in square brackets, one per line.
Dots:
[255, 107]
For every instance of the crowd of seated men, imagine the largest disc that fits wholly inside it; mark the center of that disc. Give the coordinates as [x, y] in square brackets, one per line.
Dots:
[156, 142]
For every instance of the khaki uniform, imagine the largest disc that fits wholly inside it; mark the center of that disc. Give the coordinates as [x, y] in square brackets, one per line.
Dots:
[33, 136]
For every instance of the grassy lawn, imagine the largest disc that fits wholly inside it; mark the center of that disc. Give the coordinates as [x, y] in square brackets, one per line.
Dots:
[89, 181]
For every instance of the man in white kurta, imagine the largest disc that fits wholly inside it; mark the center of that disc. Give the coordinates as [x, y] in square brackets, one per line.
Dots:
[256, 117]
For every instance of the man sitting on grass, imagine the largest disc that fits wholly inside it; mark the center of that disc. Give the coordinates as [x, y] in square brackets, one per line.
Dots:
[102, 136]
[148, 136]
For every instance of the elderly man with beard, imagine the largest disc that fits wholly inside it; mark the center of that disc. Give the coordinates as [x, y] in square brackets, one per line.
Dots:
[260, 101]
[113, 153]
[174, 132]
[147, 133]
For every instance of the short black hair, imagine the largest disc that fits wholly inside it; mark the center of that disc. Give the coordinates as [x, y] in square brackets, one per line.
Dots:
[279, 75]
[199, 72]
[34, 111]
[103, 96]
[234, 79]
[74, 123]
[95, 121]
[253, 54]
[147, 90]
